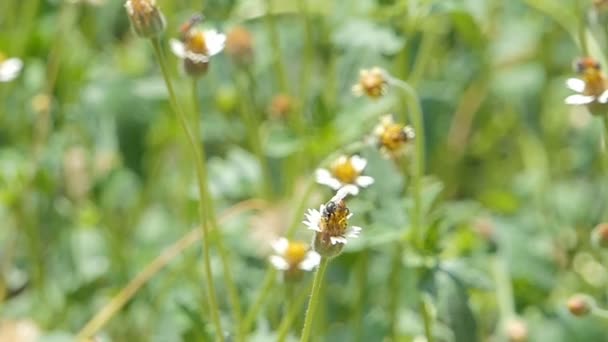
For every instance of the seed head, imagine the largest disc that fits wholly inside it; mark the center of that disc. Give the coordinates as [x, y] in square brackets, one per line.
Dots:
[147, 20]
[239, 45]
[372, 83]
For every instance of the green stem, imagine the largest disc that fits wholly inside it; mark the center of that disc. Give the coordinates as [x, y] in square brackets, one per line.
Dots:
[605, 121]
[267, 286]
[362, 274]
[395, 288]
[600, 313]
[504, 290]
[199, 158]
[277, 58]
[427, 318]
[313, 302]
[289, 318]
[413, 105]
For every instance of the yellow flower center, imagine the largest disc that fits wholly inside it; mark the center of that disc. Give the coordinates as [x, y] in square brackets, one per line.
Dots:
[393, 136]
[595, 82]
[295, 253]
[344, 171]
[372, 83]
[196, 42]
[334, 220]
[2, 57]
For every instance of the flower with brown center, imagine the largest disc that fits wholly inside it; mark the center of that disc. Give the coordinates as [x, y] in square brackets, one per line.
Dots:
[330, 224]
[591, 86]
[239, 45]
[147, 20]
[345, 173]
[372, 83]
[9, 68]
[293, 257]
[392, 138]
[196, 47]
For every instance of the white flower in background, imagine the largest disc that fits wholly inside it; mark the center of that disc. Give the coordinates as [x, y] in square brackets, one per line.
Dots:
[345, 172]
[9, 68]
[372, 83]
[591, 87]
[293, 256]
[392, 138]
[330, 224]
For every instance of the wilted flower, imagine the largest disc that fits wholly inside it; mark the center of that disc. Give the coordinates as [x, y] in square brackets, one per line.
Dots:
[280, 106]
[9, 68]
[147, 20]
[591, 87]
[580, 305]
[345, 173]
[196, 47]
[239, 45]
[372, 83]
[330, 224]
[392, 138]
[293, 257]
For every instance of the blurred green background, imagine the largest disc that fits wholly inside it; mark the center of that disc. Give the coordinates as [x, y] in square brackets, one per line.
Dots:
[96, 179]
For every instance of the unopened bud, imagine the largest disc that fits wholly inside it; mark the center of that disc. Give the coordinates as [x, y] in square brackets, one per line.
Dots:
[599, 236]
[580, 305]
[239, 45]
[517, 330]
[146, 18]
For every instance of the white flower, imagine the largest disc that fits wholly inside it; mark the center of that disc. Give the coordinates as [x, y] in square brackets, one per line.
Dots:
[10, 69]
[392, 138]
[293, 255]
[199, 45]
[345, 173]
[585, 96]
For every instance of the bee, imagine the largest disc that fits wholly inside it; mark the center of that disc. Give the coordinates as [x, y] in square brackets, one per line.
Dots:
[333, 208]
[185, 28]
[586, 64]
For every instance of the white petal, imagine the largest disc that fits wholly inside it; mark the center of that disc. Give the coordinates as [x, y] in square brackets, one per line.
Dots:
[341, 159]
[349, 216]
[324, 177]
[337, 239]
[280, 245]
[215, 42]
[364, 181]
[576, 84]
[349, 189]
[358, 163]
[313, 217]
[279, 263]
[603, 98]
[178, 48]
[578, 99]
[311, 261]
[9, 69]
[197, 57]
[353, 232]
[357, 90]
[409, 132]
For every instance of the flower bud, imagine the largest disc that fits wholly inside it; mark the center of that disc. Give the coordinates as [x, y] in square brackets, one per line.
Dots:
[517, 330]
[599, 236]
[280, 106]
[580, 305]
[372, 83]
[239, 46]
[146, 18]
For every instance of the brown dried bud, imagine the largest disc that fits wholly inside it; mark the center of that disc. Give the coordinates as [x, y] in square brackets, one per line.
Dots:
[599, 236]
[280, 106]
[239, 45]
[580, 305]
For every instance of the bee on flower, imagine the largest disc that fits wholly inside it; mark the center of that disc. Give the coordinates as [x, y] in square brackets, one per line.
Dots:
[293, 257]
[345, 173]
[9, 68]
[330, 224]
[196, 46]
[147, 20]
[372, 82]
[392, 138]
[590, 87]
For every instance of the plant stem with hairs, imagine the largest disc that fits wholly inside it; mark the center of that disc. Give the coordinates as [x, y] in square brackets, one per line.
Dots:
[201, 173]
[314, 300]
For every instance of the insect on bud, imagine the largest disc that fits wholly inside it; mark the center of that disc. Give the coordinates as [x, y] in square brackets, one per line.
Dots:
[147, 20]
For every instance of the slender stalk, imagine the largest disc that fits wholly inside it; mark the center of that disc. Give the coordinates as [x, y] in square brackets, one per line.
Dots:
[504, 290]
[199, 158]
[395, 291]
[413, 105]
[314, 300]
[267, 285]
[277, 58]
[427, 318]
[605, 134]
[289, 318]
[362, 274]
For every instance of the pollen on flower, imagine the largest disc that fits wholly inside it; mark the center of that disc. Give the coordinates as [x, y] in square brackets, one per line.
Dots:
[392, 137]
[372, 83]
[344, 170]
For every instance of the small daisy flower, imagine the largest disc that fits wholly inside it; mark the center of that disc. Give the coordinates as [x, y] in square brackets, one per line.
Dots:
[345, 173]
[196, 47]
[147, 20]
[591, 86]
[330, 224]
[293, 257]
[9, 68]
[372, 82]
[392, 138]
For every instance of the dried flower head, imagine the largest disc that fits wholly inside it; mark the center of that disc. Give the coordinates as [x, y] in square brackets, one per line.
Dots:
[330, 224]
[372, 82]
[580, 305]
[293, 257]
[280, 106]
[599, 236]
[239, 45]
[147, 20]
[345, 173]
[392, 138]
[196, 47]
[590, 87]
[9, 68]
